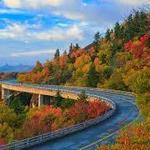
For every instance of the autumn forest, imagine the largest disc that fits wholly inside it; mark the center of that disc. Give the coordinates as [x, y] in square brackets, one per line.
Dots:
[118, 60]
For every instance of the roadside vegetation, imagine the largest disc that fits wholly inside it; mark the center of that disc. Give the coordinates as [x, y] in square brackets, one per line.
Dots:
[119, 60]
[19, 121]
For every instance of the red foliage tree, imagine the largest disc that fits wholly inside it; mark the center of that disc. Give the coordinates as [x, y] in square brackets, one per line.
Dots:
[82, 110]
[49, 118]
[2, 141]
[79, 112]
[96, 108]
[40, 121]
[138, 48]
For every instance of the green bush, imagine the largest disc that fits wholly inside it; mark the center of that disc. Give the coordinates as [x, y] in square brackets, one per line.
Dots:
[143, 101]
[6, 132]
[116, 81]
[7, 115]
[67, 103]
[17, 106]
[138, 81]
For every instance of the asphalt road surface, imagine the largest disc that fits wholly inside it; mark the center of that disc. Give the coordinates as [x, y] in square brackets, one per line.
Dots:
[103, 132]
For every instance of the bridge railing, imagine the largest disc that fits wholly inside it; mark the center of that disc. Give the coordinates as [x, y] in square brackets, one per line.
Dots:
[75, 90]
[26, 143]
[57, 87]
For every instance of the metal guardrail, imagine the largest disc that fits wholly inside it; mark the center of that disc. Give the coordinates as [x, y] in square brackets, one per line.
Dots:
[70, 89]
[57, 87]
[26, 143]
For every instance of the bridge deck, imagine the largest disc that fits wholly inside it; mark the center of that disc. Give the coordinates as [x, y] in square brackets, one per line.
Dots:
[39, 89]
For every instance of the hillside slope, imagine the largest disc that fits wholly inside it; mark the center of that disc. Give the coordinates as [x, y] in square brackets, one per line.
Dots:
[107, 62]
[120, 60]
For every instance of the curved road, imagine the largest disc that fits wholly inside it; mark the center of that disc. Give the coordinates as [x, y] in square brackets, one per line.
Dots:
[88, 139]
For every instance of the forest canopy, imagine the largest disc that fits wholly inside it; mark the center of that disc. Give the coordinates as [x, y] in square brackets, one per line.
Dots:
[119, 60]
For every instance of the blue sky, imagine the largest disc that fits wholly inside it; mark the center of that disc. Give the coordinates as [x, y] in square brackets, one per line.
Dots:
[32, 30]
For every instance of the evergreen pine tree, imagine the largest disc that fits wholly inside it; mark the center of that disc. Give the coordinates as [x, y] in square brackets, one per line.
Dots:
[57, 54]
[108, 35]
[58, 99]
[38, 67]
[70, 48]
[118, 31]
[97, 38]
[65, 52]
[92, 76]
[77, 46]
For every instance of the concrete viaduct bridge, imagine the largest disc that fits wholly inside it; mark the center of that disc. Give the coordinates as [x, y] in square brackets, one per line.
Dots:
[87, 139]
[41, 91]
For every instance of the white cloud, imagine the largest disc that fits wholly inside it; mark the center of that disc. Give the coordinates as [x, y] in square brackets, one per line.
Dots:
[12, 3]
[96, 15]
[13, 31]
[11, 11]
[31, 3]
[32, 53]
[72, 9]
[77, 10]
[60, 34]
[134, 2]
[22, 32]
[61, 24]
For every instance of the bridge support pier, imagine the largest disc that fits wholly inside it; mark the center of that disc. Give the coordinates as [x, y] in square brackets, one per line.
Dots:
[40, 100]
[3, 94]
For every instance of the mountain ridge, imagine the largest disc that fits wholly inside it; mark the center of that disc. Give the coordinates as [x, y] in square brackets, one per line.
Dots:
[15, 68]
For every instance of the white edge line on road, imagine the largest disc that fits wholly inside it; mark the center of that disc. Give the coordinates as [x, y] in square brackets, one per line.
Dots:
[106, 137]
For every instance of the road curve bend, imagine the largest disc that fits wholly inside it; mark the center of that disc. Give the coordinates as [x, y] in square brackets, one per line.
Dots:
[87, 139]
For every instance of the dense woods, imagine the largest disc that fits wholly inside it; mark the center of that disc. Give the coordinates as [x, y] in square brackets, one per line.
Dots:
[8, 76]
[107, 62]
[119, 60]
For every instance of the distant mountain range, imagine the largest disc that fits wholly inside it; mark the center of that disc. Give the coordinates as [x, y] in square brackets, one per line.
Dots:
[17, 68]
